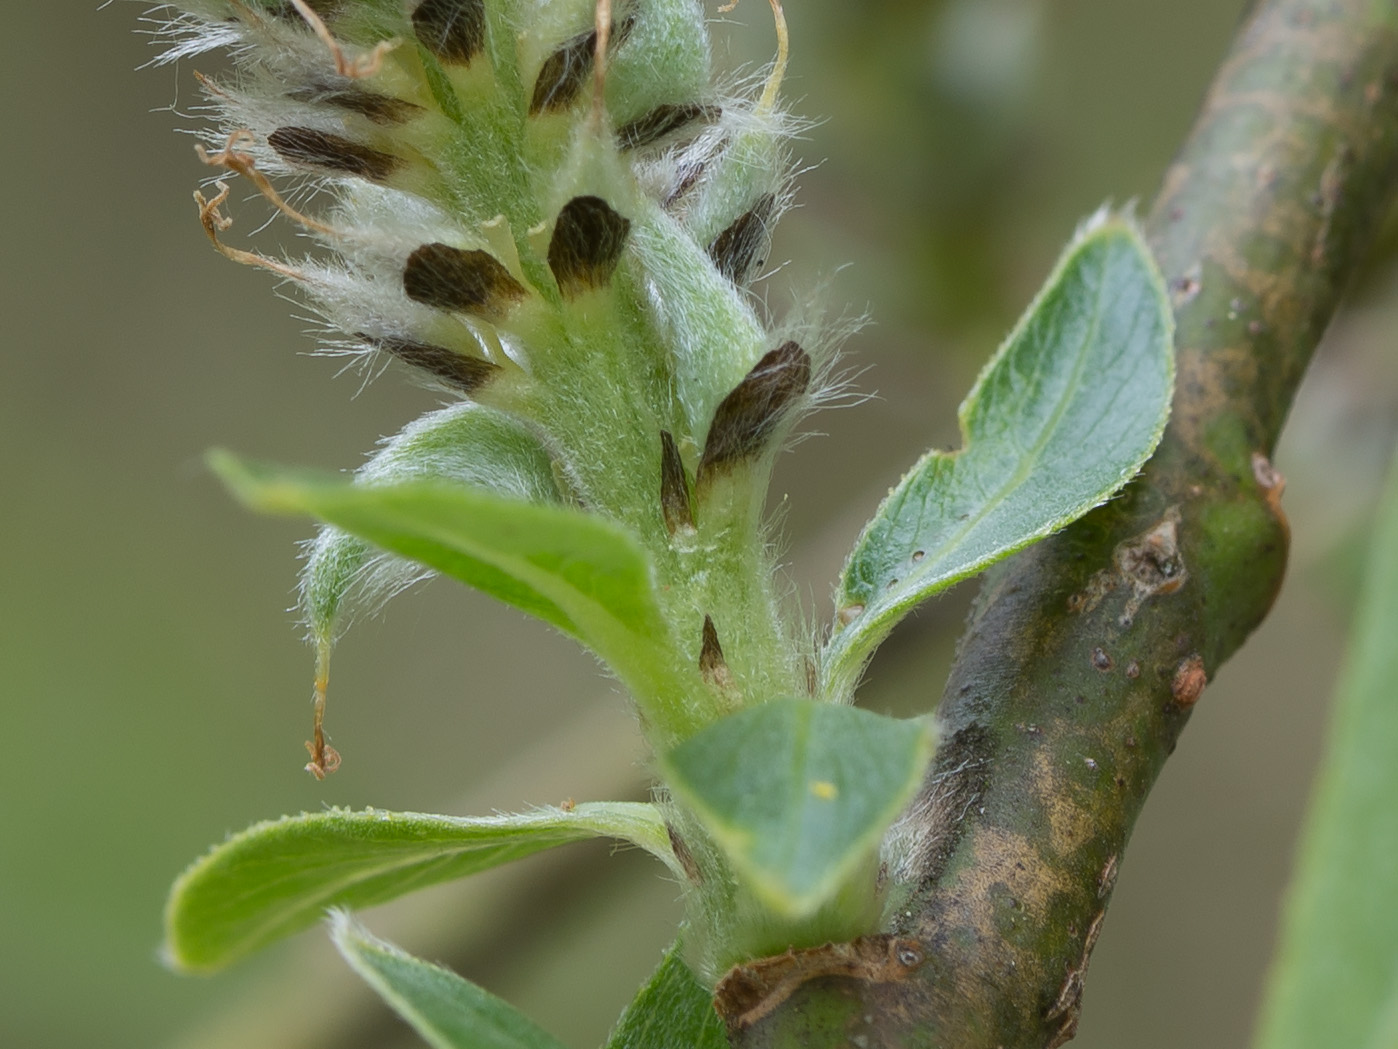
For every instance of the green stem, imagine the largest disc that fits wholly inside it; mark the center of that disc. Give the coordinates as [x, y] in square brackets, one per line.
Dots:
[1086, 654]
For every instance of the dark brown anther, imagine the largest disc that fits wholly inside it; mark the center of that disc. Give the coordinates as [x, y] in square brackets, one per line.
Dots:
[712, 665]
[663, 120]
[587, 243]
[736, 250]
[453, 30]
[674, 487]
[563, 74]
[381, 109]
[460, 372]
[745, 419]
[332, 153]
[448, 278]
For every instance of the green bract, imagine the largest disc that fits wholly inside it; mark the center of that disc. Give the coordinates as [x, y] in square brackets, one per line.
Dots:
[553, 216]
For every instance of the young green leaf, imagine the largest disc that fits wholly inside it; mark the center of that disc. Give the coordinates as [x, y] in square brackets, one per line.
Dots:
[672, 1011]
[447, 1011]
[278, 877]
[579, 572]
[798, 792]
[1335, 977]
[1062, 416]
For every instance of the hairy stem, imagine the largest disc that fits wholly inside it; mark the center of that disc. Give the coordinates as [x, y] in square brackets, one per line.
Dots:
[1086, 654]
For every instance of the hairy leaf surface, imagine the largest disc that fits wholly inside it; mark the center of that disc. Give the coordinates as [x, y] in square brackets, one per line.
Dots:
[1062, 416]
[278, 877]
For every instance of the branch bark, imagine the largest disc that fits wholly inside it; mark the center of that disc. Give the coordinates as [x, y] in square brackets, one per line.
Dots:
[1085, 654]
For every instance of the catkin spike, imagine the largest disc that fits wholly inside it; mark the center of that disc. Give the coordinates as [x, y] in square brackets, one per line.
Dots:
[565, 72]
[674, 487]
[737, 250]
[712, 665]
[453, 30]
[462, 281]
[663, 121]
[331, 153]
[460, 372]
[381, 109]
[746, 418]
[586, 246]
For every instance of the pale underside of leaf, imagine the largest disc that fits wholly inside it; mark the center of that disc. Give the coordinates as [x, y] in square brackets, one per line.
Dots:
[278, 877]
[1064, 414]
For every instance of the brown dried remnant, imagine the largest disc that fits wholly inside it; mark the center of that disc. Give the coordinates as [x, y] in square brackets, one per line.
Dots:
[745, 419]
[662, 121]
[586, 246]
[460, 372]
[674, 487]
[331, 153]
[1101, 661]
[752, 990]
[449, 278]
[453, 30]
[1188, 683]
[735, 251]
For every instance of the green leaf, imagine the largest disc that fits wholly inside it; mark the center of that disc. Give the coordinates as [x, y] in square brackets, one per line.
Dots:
[466, 444]
[1335, 977]
[672, 1011]
[798, 792]
[1062, 416]
[579, 572]
[449, 1012]
[278, 877]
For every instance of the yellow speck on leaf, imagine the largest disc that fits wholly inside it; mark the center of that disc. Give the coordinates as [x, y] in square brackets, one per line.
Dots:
[824, 789]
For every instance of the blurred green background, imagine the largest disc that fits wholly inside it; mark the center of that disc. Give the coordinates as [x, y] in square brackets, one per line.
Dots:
[153, 689]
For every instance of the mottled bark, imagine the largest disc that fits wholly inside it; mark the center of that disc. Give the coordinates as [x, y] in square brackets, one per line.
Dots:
[1085, 655]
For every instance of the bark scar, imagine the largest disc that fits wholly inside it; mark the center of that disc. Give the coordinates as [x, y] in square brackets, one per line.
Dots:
[753, 990]
[1068, 1004]
[1150, 564]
